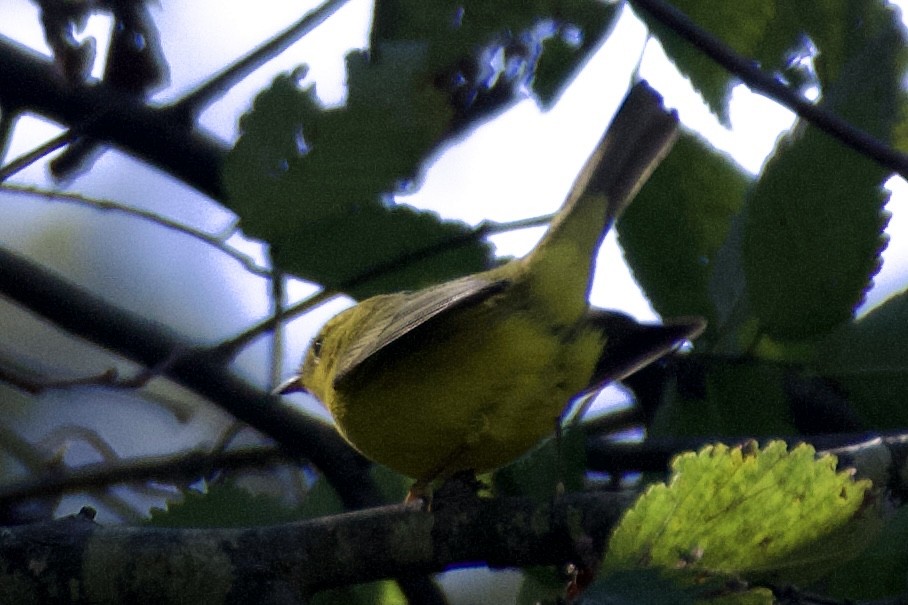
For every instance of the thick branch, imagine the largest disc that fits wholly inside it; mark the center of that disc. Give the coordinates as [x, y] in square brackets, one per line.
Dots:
[123, 564]
[91, 318]
[29, 82]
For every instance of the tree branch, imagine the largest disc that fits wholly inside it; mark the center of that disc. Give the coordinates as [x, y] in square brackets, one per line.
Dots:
[186, 466]
[234, 73]
[91, 318]
[755, 78]
[76, 557]
[29, 82]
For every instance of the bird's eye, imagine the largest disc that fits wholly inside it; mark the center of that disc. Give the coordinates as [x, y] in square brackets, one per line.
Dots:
[317, 347]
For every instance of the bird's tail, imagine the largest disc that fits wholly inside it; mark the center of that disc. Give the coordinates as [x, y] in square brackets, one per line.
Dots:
[639, 136]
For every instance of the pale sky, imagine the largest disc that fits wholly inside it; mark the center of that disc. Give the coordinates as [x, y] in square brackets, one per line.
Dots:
[470, 181]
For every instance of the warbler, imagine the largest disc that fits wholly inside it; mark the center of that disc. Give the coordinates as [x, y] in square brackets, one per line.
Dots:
[472, 373]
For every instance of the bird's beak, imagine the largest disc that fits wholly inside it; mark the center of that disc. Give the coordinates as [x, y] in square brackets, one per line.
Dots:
[291, 385]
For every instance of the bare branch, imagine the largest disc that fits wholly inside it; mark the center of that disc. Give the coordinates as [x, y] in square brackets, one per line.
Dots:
[195, 100]
[90, 317]
[29, 82]
[215, 240]
[188, 466]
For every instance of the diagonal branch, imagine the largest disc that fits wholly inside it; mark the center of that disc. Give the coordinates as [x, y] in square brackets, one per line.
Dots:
[234, 73]
[758, 80]
[91, 318]
[29, 82]
[185, 466]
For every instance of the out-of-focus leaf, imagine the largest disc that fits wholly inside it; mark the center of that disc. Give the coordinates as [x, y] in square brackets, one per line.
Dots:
[641, 587]
[310, 181]
[672, 232]
[373, 593]
[881, 571]
[743, 25]
[814, 222]
[587, 23]
[869, 360]
[223, 505]
[727, 397]
[541, 586]
[315, 184]
[671, 587]
[758, 514]
[537, 474]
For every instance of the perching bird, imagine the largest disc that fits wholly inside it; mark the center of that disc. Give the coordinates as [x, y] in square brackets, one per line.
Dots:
[472, 373]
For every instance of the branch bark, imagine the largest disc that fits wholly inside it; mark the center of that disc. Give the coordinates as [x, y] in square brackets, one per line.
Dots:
[162, 137]
[91, 318]
[74, 560]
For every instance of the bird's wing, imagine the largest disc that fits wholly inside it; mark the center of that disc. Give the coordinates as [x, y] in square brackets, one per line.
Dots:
[412, 317]
[630, 346]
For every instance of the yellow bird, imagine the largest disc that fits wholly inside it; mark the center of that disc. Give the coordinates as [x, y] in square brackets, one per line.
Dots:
[472, 373]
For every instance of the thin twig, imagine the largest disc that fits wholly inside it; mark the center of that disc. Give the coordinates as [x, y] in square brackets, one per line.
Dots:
[218, 241]
[277, 334]
[221, 83]
[61, 436]
[27, 159]
[187, 466]
[755, 78]
[86, 315]
[229, 348]
[39, 461]
[8, 121]
[30, 81]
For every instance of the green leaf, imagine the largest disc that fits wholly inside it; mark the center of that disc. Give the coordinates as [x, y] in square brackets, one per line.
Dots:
[322, 500]
[814, 223]
[538, 473]
[311, 181]
[759, 514]
[373, 593]
[376, 249]
[640, 587]
[868, 359]
[739, 397]
[671, 587]
[672, 232]
[541, 586]
[743, 25]
[223, 505]
[880, 571]
[560, 60]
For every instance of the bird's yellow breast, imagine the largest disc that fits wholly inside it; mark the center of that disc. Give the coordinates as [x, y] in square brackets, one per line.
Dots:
[475, 393]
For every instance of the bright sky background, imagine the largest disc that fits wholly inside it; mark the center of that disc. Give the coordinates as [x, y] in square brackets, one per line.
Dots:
[518, 165]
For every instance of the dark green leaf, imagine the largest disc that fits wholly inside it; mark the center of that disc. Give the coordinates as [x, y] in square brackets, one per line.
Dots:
[815, 219]
[223, 505]
[743, 25]
[542, 586]
[560, 59]
[538, 473]
[869, 360]
[676, 225]
[641, 587]
[737, 397]
[880, 571]
[310, 182]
